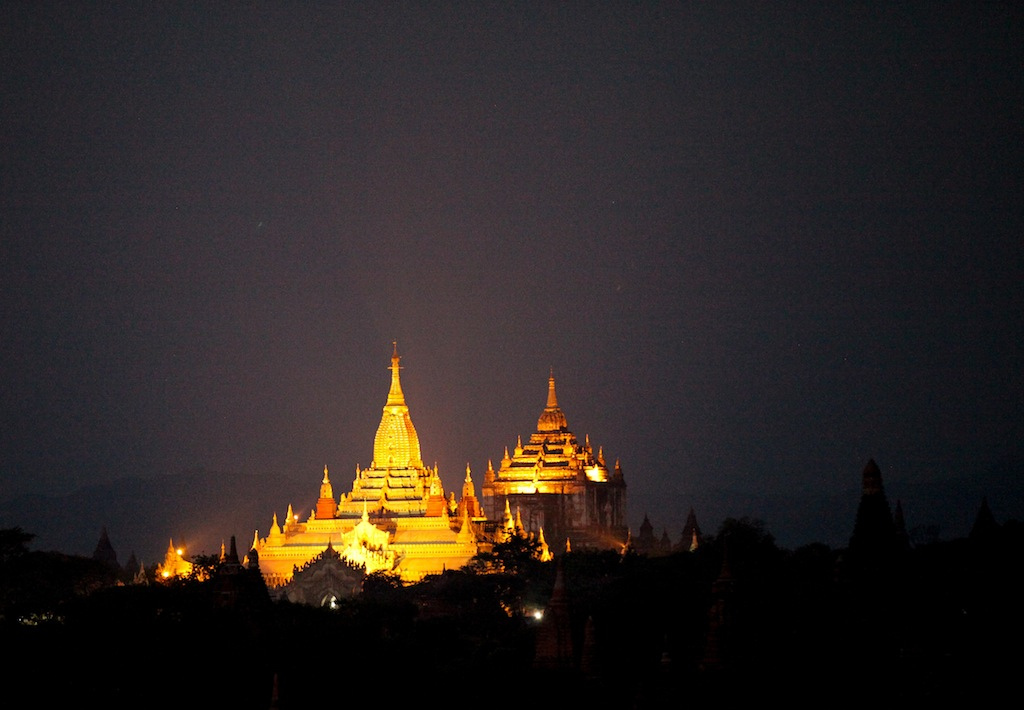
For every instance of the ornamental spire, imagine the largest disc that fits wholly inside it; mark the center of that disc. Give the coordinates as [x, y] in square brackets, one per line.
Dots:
[395, 396]
[396, 444]
[552, 419]
[326, 489]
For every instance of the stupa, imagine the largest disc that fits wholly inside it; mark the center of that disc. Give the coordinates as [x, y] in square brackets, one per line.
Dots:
[395, 519]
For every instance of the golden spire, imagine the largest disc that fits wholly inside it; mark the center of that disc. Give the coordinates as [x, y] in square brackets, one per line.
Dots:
[466, 533]
[326, 506]
[436, 487]
[326, 490]
[396, 444]
[509, 520]
[552, 419]
[395, 396]
[545, 551]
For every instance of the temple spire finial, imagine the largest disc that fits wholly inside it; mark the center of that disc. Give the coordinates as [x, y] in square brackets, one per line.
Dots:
[395, 396]
[552, 399]
[552, 419]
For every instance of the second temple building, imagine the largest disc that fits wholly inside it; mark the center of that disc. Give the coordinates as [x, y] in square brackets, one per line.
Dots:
[558, 485]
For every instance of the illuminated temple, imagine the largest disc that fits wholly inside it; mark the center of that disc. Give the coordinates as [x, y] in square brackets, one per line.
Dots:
[395, 519]
[559, 486]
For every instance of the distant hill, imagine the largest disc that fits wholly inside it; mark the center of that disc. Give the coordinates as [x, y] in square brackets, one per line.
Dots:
[200, 509]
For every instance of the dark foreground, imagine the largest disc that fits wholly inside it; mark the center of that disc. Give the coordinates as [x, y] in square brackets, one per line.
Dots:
[743, 622]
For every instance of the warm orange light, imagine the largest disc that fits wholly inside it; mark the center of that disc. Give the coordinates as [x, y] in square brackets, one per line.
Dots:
[174, 564]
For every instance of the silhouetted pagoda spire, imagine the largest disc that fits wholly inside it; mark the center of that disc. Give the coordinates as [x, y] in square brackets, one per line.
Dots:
[235, 584]
[644, 543]
[104, 551]
[132, 564]
[874, 545]
[691, 538]
[665, 544]
[229, 555]
[985, 526]
[874, 529]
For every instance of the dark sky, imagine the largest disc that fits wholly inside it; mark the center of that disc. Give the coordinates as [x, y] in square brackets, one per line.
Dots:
[757, 243]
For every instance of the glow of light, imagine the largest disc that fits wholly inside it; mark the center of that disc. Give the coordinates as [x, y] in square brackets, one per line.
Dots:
[596, 474]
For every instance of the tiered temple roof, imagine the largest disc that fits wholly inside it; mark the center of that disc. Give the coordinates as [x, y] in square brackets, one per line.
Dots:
[559, 483]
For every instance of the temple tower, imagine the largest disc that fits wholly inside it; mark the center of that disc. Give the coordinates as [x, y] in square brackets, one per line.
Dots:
[394, 519]
[557, 483]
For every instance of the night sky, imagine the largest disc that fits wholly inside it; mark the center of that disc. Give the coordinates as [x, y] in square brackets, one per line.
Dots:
[758, 244]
